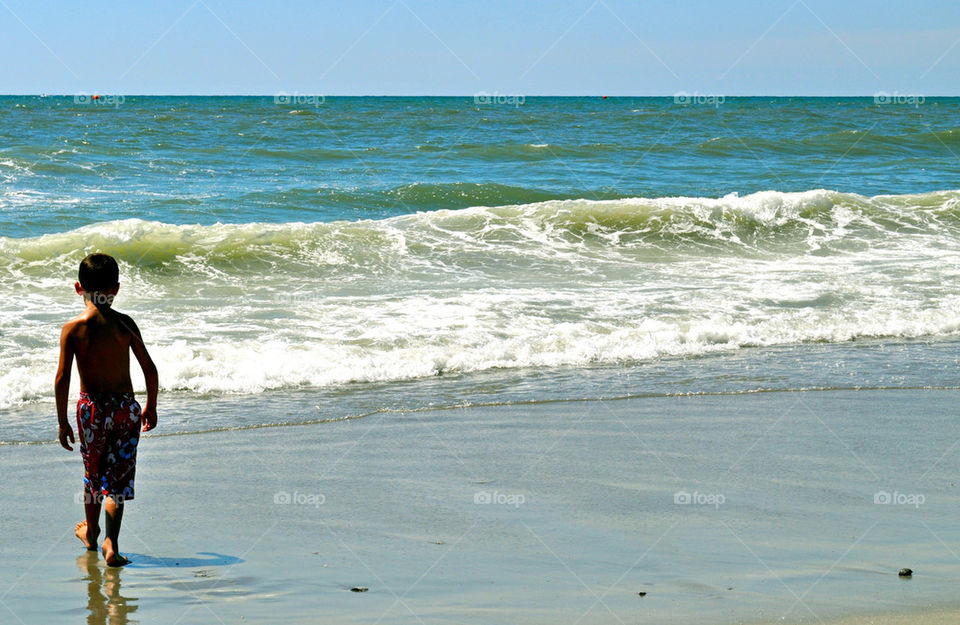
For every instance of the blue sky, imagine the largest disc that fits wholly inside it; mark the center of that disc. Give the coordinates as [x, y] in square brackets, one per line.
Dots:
[577, 47]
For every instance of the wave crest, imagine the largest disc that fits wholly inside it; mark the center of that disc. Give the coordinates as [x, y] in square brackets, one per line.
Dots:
[768, 222]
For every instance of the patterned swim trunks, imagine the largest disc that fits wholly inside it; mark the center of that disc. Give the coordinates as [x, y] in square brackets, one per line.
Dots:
[108, 425]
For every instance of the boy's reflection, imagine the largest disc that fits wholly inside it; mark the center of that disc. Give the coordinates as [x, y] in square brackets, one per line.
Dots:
[105, 603]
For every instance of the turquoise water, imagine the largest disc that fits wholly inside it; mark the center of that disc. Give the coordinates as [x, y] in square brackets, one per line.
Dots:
[331, 258]
[238, 160]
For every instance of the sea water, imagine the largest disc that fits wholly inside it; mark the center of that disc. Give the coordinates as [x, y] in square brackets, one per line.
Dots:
[295, 261]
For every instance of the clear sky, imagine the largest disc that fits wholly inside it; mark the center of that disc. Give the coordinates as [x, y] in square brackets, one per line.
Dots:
[419, 47]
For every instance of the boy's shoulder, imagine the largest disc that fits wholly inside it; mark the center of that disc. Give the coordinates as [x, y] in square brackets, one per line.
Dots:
[115, 317]
[71, 326]
[126, 321]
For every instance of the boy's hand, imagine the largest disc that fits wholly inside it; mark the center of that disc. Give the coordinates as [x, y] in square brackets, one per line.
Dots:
[65, 433]
[148, 419]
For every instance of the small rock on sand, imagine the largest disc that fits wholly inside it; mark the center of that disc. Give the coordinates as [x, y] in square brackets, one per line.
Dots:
[359, 589]
[905, 572]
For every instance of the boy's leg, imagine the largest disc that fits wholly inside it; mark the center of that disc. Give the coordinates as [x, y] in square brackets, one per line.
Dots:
[121, 470]
[89, 530]
[90, 435]
[112, 521]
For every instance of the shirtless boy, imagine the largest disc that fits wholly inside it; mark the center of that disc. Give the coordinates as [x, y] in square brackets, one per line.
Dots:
[109, 419]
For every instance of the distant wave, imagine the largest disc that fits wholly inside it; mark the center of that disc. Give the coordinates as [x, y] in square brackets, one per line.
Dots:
[407, 198]
[837, 144]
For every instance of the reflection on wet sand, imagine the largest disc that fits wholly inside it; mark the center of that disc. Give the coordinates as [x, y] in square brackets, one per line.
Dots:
[105, 604]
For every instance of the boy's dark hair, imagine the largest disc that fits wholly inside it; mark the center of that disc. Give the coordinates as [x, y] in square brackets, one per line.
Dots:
[98, 272]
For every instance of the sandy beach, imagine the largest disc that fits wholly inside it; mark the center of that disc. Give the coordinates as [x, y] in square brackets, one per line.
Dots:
[721, 509]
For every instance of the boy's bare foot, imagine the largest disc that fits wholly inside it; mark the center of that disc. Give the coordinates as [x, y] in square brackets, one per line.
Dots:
[83, 533]
[111, 557]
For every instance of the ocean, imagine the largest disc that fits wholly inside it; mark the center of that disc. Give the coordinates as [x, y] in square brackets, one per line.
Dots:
[304, 259]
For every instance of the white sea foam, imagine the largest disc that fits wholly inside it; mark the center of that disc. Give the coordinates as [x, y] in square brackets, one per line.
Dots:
[245, 308]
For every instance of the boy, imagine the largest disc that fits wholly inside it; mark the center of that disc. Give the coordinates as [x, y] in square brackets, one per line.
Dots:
[109, 419]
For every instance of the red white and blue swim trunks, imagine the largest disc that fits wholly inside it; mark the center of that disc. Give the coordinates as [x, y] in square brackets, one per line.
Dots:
[108, 425]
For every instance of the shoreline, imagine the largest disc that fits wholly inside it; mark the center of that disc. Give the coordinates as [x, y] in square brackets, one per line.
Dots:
[870, 365]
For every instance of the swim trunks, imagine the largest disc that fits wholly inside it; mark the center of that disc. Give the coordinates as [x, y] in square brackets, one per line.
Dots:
[108, 425]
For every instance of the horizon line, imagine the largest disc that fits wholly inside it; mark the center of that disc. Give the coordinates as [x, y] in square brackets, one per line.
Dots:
[469, 95]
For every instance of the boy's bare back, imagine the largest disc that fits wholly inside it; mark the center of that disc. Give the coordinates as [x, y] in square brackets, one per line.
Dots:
[101, 340]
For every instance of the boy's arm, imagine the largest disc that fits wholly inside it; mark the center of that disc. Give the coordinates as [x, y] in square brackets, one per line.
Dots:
[61, 388]
[149, 414]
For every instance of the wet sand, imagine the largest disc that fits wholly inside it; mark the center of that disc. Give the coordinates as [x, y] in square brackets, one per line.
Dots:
[757, 508]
